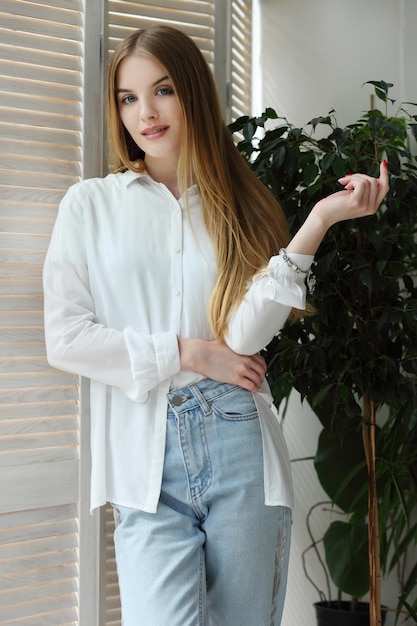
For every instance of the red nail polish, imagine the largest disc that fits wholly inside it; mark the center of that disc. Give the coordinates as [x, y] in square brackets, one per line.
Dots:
[384, 163]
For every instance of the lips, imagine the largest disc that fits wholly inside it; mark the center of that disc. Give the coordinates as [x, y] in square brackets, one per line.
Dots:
[154, 131]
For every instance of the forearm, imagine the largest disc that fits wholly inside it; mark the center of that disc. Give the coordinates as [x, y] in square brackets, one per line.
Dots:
[309, 237]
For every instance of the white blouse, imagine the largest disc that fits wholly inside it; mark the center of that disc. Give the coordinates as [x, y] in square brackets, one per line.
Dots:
[126, 273]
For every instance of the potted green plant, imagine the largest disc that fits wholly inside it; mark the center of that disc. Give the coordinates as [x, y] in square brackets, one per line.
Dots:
[354, 360]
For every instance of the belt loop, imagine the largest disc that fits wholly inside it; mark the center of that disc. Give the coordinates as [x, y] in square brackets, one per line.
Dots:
[206, 406]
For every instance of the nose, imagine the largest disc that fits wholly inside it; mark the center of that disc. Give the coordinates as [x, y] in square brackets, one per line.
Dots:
[148, 111]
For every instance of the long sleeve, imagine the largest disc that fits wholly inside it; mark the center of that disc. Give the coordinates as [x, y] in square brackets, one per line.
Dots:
[76, 339]
[267, 304]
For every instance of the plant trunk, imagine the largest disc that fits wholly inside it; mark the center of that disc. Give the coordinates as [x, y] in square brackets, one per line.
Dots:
[369, 443]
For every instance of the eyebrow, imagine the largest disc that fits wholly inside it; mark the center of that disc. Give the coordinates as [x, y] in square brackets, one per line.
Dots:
[160, 80]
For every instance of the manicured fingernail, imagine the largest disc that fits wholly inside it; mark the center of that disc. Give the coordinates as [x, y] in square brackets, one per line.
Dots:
[384, 163]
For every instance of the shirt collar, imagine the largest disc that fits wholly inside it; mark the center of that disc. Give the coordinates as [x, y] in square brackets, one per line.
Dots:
[129, 176]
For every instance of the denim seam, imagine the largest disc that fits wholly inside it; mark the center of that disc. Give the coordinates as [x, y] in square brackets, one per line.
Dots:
[200, 588]
[279, 560]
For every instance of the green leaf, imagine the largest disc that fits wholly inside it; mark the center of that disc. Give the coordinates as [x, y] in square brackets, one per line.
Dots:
[271, 114]
[346, 550]
[310, 174]
[249, 130]
[338, 457]
[327, 161]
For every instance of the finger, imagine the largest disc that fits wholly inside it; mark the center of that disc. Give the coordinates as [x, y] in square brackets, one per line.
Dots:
[260, 360]
[258, 367]
[253, 374]
[366, 192]
[383, 180]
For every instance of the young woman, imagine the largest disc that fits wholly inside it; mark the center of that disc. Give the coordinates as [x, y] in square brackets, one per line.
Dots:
[163, 282]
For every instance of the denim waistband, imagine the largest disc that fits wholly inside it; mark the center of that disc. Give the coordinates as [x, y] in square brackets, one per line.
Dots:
[201, 393]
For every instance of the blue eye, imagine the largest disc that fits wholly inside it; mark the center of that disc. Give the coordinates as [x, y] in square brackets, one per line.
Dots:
[128, 99]
[165, 91]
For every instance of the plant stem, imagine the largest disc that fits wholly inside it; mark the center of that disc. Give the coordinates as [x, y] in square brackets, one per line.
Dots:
[369, 442]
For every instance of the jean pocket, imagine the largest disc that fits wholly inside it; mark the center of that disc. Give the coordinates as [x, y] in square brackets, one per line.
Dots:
[235, 405]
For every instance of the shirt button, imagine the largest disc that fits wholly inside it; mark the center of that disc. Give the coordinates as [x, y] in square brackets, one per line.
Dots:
[176, 292]
[177, 250]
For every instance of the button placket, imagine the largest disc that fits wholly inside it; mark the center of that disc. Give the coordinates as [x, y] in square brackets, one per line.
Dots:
[176, 265]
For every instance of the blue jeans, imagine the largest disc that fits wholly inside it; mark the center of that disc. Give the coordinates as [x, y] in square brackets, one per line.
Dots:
[213, 554]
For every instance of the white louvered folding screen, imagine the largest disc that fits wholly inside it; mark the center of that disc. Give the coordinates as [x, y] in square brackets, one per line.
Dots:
[50, 134]
[40, 136]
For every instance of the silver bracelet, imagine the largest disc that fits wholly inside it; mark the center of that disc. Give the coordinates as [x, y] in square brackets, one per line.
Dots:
[286, 258]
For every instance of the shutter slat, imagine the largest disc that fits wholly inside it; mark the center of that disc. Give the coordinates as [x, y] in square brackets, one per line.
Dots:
[37, 425]
[40, 90]
[41, 394]
[43, 180]
[55, 410]
[39, 119]
[42, 58]
[43, 150]
[22, 303]
[13, 257]
[19, 484]
[52, 167]
[35, 441]
[19, 240]
[31, 41]
[38, 524]
[48, 590]
[34, 72]
[36, 11]
[22, 288]
[23, 271]
[44, 212]
[201, 7]
[28, 548]
[43, 605]
[35, 578]
[25, 102]
[35, 379]
[30, 195]
[18, 458]
[55, 30]
[28, 349]
[21, 318]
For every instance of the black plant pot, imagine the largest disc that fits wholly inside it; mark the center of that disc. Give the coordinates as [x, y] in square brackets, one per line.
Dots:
[339, 614]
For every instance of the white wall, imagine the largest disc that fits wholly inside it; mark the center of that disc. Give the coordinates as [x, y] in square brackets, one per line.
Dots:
[315, 55]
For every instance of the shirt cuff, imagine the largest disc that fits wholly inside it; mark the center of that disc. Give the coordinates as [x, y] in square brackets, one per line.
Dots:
[167, 355]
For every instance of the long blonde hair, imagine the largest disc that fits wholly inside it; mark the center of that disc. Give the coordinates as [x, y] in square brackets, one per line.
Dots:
[244, 221]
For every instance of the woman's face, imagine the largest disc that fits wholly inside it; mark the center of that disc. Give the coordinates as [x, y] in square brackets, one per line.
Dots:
[149, 108]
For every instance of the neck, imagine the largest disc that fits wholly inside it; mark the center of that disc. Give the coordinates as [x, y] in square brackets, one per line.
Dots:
[165, 173]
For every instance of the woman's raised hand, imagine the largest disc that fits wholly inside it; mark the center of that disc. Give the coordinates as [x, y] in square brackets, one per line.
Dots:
[360, 197]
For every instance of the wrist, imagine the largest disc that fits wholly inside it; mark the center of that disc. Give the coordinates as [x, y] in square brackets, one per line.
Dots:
[310, 235]
[189, 350]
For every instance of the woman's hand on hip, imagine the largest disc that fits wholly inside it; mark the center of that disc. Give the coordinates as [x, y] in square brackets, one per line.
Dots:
[215, 360]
